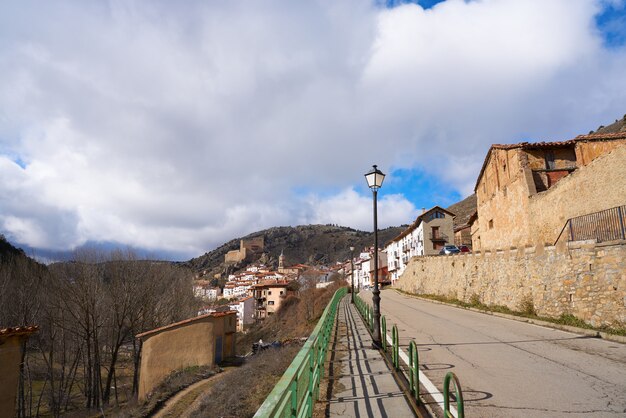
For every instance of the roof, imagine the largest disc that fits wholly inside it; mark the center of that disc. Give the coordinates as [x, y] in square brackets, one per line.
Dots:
[184, 322]
[554, 144]
[416, 223]
[16, 331]
[271, 284]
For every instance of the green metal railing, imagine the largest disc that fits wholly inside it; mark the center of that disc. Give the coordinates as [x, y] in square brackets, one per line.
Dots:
[297, 390]
[413, 366]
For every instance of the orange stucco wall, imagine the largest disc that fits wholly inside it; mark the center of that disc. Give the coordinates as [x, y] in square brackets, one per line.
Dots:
[10, 356]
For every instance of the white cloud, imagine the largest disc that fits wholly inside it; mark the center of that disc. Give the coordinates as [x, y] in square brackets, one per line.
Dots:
[350, 208]
[178, 128]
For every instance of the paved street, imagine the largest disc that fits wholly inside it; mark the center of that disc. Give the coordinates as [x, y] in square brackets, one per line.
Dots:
[509, 368]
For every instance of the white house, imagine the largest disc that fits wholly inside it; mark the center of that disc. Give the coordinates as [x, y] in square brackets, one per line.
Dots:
[425, 236]
[245, 312]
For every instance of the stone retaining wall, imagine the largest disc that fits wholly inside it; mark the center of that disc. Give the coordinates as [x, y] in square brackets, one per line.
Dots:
[585, 279]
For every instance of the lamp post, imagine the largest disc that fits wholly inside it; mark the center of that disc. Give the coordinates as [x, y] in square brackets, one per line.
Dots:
[375, 181]
[352, 271]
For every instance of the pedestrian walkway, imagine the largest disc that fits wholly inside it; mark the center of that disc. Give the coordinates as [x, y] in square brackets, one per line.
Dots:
[361, 381]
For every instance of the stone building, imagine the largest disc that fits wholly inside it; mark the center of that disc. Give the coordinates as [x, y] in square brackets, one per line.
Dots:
[425, 236]
[11, 345]
[201, 341]
[527, 191]
[249, 249]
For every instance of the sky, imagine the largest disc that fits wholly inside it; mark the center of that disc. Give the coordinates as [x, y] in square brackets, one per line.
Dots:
[173, 127]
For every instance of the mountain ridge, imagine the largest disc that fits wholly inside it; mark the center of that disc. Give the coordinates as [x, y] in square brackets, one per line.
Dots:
[315, 244]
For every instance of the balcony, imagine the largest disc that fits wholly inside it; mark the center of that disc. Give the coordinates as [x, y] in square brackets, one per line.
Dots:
[438, 237]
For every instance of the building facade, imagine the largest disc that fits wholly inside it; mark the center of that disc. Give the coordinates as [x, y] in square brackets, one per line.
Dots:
[425, 236]
[523, 198]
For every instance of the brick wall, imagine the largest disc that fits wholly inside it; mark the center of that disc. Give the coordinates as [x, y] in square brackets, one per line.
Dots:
[584, 279]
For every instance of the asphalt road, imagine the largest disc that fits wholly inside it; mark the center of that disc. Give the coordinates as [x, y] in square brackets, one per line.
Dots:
[509, 368]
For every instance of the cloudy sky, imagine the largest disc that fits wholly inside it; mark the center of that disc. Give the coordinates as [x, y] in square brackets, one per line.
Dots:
[172, 127]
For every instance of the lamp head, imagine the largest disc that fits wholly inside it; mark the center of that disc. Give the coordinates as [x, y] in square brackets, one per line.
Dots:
[375, 178]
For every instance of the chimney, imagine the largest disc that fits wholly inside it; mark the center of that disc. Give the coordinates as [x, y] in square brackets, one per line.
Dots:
[423, 211]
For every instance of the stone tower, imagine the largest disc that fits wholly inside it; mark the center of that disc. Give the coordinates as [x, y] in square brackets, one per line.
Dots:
[281, 260]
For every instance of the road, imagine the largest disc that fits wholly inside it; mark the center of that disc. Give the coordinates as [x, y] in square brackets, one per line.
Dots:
[509, 368]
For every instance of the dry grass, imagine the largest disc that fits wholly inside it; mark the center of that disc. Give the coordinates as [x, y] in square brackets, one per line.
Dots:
[242, 391]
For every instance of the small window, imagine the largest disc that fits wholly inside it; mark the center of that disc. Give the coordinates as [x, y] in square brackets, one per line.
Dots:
[271, 302]
[281, 292]
[491, 224]
[269, 292]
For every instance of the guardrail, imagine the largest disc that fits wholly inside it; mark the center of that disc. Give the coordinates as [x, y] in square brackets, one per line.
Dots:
[605, 225]
[297, 390]
[412, 362]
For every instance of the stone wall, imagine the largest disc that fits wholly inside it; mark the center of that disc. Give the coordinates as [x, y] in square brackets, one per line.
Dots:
[585, 279]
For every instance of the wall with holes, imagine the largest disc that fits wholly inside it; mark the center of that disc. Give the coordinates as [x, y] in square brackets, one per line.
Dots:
[585, 279]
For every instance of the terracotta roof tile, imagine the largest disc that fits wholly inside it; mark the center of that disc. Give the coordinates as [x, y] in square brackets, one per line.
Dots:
[24, 330]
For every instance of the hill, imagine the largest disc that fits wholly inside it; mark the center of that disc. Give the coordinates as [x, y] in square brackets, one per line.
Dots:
[315, 244]
[617, 126]
[463, 210]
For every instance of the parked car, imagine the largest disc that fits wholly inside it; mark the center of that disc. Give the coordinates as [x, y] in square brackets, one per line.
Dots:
[465, 249]
[449, 250]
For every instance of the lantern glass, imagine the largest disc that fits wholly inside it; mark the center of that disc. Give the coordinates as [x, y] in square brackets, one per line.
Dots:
[375, 178]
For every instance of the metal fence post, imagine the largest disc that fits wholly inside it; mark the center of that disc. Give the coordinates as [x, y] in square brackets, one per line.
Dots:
[621, 220]
[414, 376]
[395, 348]
[458, 394]
[383, 326]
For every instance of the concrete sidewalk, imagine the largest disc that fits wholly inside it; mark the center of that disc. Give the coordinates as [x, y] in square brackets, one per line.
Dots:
[361, 381]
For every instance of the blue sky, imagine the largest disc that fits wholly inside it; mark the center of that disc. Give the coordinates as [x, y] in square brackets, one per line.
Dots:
[174, 129]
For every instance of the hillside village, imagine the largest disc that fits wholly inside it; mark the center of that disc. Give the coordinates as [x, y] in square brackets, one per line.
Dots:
[545, 226]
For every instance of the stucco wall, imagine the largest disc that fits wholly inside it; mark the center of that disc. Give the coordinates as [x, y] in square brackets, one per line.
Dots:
[592, 188]
[10, 356]
[585, 279]
[185, 345]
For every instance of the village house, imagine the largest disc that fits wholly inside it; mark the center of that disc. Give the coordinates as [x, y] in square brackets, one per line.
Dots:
[203, 289]
[364, 269]
[425, 236]
[245, 312]
[201, 341]
[268, 297]
[526, 192]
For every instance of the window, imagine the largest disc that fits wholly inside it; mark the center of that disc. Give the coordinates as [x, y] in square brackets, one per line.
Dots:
[269, 292]
[281, 292]
[490, 223]
[270, 302]
[436, 215]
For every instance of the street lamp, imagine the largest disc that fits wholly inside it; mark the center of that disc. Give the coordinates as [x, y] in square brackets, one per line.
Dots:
[352, 271]
[375, 180]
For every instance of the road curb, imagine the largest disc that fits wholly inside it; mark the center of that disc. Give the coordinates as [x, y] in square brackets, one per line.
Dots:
[569, 328]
